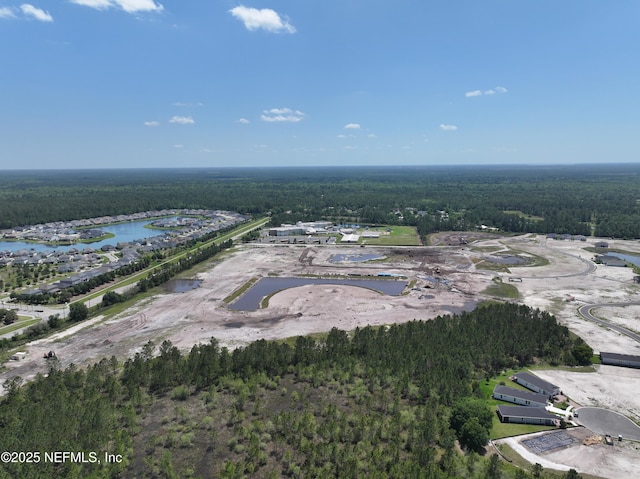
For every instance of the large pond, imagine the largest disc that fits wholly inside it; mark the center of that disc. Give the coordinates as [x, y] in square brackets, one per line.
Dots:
[250, 300]
[124, 233]
[633, 259]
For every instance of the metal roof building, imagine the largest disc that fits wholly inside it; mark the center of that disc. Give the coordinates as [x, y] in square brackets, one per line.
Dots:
[616, 359]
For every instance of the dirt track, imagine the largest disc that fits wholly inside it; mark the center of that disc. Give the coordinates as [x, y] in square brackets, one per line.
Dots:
[568, 280]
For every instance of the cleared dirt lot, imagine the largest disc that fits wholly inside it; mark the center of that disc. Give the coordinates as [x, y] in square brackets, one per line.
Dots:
[587, 454]
[197, 315]
[558, 276]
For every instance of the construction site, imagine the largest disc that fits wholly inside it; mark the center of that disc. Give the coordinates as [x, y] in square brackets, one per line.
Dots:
[454, 275]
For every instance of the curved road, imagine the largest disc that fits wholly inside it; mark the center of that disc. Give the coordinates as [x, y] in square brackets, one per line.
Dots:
[604, 421]
[585, 311]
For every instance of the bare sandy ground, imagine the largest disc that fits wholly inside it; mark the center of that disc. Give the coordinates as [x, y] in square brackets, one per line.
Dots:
[195, 316]
[566, 279]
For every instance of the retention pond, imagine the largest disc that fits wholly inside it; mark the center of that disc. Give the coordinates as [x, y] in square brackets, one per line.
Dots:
[250, 300]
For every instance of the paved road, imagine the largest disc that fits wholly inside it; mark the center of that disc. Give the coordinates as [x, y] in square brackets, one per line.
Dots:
[604, 421]
[585, 311]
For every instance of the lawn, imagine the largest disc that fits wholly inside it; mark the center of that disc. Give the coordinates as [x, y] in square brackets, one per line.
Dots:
[393, 236]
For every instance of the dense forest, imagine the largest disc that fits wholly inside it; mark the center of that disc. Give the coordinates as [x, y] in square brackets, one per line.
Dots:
[375, 402]
[581, 199]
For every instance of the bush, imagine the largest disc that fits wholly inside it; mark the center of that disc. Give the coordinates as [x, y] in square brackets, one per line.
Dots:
[181, 393]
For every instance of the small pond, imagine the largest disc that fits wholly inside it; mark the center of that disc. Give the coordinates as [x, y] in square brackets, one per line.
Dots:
[467, 307]
[181, 285]
[354, 258]
[251, 299]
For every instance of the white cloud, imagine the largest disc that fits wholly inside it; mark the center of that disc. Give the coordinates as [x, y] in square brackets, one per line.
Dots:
[132, 6]
[498, 89]
[244, 121]
[97, 4]
[152, 123]
[342, 136]
[448, 127]
[178, 146]
[129, 6]
[182, 120]
[352, 126]
[371, 135]
[36, 13]
[279, 111]
[282, 115]
[6, 12]
[265, 19]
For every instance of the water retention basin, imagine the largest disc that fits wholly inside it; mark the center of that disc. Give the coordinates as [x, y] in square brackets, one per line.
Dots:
[250, 300]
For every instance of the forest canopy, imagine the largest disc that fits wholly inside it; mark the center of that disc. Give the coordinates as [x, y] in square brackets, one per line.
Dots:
[576, 199]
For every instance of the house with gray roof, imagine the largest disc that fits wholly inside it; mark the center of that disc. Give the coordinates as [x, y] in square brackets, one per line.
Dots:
[536, 384]
[518, 396]
[526, 415]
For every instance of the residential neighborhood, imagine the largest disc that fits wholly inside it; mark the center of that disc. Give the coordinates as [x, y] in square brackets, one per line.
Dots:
[72, 248]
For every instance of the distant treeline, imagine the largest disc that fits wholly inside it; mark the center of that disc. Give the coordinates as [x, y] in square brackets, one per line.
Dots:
[383, 402]
[580, 199]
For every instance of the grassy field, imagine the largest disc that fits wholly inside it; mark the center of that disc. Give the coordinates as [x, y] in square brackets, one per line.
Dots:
[393, 236]
[502, 290]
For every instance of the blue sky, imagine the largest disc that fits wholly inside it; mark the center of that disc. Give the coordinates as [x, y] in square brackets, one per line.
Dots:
[198, 83]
